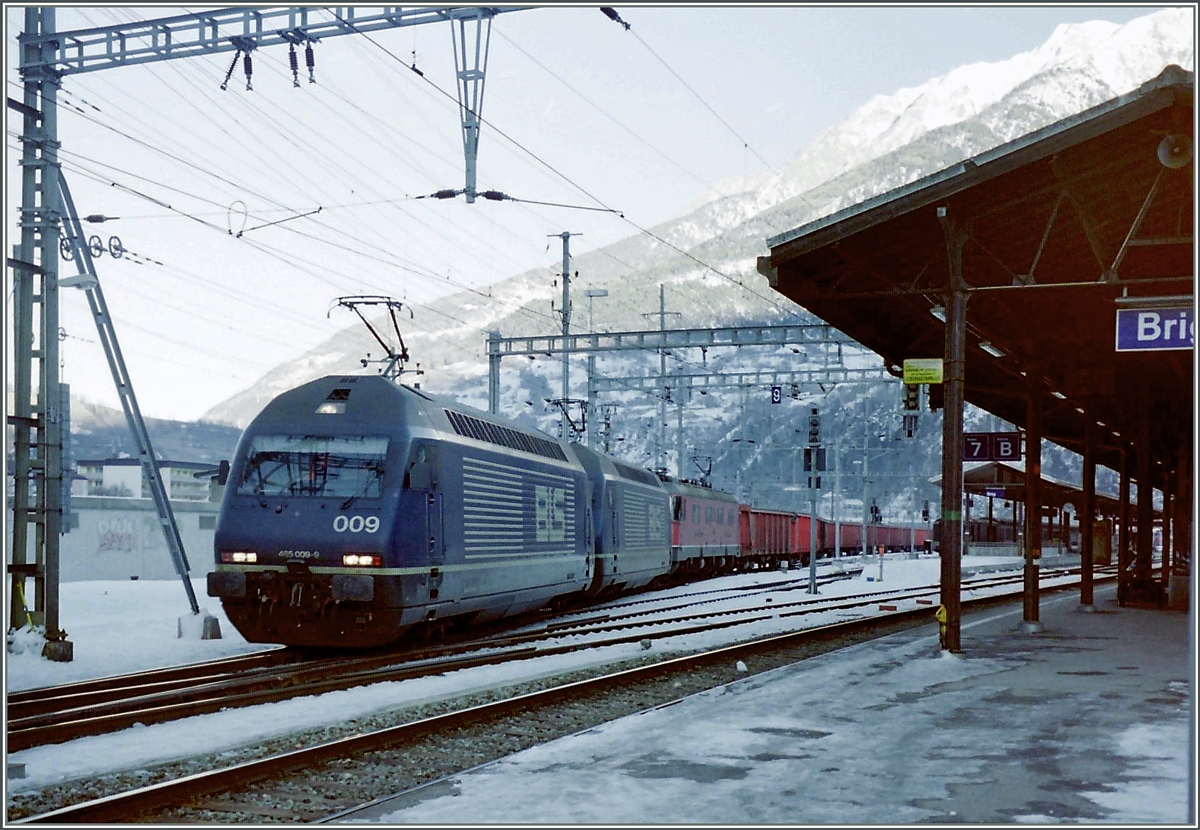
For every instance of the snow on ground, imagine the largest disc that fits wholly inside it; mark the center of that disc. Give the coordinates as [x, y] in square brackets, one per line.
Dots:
[119, 627]
[887, 731]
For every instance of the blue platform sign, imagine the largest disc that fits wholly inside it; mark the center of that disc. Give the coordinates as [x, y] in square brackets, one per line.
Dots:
[1155, 329]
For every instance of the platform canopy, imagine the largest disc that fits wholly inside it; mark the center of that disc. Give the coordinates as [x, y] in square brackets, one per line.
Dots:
[1065, 226]
[1007, 481]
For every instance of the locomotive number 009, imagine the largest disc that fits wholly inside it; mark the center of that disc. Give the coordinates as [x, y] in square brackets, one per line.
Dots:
[355, 524]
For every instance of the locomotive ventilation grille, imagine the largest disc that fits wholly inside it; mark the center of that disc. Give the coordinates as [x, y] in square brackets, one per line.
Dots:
[634, 474]
[481, 430]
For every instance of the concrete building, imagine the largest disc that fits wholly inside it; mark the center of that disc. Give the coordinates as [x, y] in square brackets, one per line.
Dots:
[112, 527]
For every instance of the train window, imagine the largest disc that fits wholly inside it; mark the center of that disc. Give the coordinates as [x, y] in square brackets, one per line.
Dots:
[720, 516]
[732, 518]
[708, 514]
[696, 513]
[315, 465]
[678, 510]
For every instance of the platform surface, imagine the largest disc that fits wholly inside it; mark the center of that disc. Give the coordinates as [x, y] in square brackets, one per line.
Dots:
[1088, 721]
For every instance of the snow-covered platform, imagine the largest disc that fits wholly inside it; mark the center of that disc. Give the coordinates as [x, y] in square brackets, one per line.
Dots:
[1085, 722]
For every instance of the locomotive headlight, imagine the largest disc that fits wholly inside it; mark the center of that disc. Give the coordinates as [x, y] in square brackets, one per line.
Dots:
[362, 560]
[239, 557]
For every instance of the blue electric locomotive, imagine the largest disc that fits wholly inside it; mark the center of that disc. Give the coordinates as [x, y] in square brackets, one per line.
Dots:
[357, 507]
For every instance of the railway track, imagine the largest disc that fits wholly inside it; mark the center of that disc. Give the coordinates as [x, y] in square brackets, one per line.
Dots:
[55, 714]
[38, 717]
[159, 801]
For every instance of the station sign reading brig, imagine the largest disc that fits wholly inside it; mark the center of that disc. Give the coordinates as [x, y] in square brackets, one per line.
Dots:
[1165, 327]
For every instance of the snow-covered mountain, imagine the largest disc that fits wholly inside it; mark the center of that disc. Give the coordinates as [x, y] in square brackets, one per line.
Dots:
[890, 141]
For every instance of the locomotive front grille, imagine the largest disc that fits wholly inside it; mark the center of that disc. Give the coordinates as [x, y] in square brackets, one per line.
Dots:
[302, 608]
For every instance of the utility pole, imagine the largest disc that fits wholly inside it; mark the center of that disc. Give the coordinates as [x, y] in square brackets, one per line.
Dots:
[661, 449]
[37, 452]
[837, 490]
[591, 294]
[866, 468]
[493, 372]
[565, 236]
[680, 444]
[813, 484]
[607, 409]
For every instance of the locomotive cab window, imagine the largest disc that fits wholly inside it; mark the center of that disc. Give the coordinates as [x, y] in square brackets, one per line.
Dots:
[315, 465]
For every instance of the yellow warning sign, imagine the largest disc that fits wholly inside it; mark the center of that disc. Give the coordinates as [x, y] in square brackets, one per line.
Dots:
[923, 370]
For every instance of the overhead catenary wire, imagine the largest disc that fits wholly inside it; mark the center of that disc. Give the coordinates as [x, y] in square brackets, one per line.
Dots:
[282, 256]
[634, 224]
[745, 144]
[414, 271]
[567, 179]
[664, 156]
[433, 228]
[521, 309]
[464, 287]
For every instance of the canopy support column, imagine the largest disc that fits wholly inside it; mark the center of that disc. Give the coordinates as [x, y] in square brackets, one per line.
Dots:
[1033, 501]
[1123, 531]
[951, 541]
[1087, 518]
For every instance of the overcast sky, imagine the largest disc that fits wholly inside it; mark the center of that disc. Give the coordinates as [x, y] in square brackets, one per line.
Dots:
[578, 111]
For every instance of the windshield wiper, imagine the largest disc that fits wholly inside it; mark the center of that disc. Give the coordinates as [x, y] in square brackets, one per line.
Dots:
[362, 491]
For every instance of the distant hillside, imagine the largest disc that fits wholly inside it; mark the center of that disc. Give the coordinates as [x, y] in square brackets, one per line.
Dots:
[99, 432]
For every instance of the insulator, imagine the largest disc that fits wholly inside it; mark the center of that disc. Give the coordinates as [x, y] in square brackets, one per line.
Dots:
[248, 66]
[494, 195]
[295, 64]
[445, 194]
[232, 66]
[310, 62]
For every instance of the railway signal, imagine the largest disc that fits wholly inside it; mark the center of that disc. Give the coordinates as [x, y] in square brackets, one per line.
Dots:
[912, 397]
[814, 426]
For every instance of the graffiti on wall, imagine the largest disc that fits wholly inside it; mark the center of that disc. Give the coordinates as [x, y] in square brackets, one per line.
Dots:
[127, 534]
